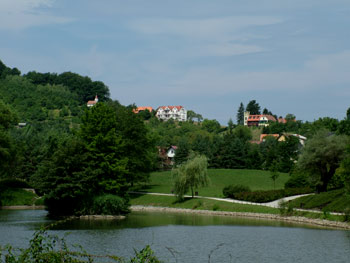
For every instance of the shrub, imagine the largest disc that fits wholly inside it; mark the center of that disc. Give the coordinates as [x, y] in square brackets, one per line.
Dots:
[216, 207]
[231, 190]
[298, 180]
[109, 205]
[271, 195]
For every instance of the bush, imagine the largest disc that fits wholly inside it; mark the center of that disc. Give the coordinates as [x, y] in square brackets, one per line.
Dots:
[231, 190]
[109, 205]
[298, 180]
[268, 196]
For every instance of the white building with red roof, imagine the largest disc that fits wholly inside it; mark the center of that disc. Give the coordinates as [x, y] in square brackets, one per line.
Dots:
[91, 103]
[258, 120]
[166, 113]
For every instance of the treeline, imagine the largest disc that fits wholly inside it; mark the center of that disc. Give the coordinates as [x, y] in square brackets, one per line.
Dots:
[82, 159]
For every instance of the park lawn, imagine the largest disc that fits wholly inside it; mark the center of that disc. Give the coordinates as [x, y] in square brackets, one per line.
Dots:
[199, 204]
[17, 196]
[161, 182]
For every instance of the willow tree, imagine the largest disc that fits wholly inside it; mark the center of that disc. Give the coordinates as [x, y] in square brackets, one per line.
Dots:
[190, 175]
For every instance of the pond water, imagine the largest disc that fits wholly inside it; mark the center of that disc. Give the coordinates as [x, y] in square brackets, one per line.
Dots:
[187, 237]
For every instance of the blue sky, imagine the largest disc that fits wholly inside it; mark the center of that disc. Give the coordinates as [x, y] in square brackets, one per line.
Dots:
[290, 56]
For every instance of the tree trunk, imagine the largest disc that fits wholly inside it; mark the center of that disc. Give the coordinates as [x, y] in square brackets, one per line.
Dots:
[192, 191]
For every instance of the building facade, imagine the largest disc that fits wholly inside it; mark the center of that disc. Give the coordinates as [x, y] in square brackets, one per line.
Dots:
[177, 113]
[258, 120]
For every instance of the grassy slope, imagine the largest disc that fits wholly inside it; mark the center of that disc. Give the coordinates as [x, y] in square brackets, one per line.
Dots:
[335, 201]
[202, 204]
[161, 182]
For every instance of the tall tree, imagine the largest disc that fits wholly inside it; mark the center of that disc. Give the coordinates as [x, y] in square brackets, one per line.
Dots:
[240, 114]
[7, 119]
[322, 156]
[348, 114]
[253, 107]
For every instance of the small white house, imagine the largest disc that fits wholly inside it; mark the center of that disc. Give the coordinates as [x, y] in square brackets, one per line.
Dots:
[171, 151]
[91, 103]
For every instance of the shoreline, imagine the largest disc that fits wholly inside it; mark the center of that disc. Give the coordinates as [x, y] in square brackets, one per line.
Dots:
[276, 217]
[290, 219]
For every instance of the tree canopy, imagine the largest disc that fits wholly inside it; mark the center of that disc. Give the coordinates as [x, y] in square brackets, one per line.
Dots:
[253, 107]
[322, 156]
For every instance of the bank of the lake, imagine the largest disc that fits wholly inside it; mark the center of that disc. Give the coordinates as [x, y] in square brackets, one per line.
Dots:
[292, 219]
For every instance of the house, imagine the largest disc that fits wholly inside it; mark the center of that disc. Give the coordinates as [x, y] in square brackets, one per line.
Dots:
[91, 103]
[258, 120]
[302, 139]
[167, 157]
[138, 109]
[166, 113]
[263, 136]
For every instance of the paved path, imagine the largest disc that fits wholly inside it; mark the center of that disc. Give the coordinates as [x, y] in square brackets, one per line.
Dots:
[273, 204]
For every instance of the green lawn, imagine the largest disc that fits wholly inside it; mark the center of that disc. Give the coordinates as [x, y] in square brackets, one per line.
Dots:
[200, 204]
[16, 196]
[161, 182]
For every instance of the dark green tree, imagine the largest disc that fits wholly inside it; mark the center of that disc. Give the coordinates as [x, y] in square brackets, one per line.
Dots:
[7, 151]
[212, 126]
[240, 114]
[253, 107]
[321, 157]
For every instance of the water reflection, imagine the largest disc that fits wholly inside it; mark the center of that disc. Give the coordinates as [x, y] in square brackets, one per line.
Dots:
[188, 238]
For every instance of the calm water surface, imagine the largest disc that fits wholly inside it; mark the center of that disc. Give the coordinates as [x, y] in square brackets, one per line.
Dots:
[188, 238]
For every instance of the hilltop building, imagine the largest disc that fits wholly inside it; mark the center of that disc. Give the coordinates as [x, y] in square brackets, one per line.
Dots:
[258, 120]
[166, 113]
[91, 103]
[138, 109]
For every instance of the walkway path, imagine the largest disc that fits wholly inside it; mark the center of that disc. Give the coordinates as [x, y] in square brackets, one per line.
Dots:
[273, 204]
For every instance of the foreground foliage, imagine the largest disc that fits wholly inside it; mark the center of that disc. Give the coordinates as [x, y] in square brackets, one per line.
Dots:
[52, 249]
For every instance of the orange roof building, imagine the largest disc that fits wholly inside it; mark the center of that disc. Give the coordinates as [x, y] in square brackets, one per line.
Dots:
[91, 103]
[138, 109]
[258, 120]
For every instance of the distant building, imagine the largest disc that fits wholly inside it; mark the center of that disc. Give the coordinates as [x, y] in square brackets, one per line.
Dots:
[177, 113]
[91, 103]
[138, 109]
[258, 120]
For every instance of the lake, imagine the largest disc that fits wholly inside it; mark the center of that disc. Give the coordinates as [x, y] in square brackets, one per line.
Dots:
[187, 237]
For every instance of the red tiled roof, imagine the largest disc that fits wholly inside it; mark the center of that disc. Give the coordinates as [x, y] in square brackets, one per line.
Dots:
[171, 107]
[91, 102]
[138, 109]
[257, 117]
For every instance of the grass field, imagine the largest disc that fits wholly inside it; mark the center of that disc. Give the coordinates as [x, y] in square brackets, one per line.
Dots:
[161, 182]
[201, 204]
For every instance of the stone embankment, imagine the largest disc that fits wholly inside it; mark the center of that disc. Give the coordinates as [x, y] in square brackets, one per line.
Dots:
[291, 219]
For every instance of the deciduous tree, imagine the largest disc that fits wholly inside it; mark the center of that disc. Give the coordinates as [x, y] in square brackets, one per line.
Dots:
[322, 156]
[190, 176]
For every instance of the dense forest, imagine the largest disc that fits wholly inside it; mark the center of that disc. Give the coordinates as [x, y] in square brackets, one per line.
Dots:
[50, 139]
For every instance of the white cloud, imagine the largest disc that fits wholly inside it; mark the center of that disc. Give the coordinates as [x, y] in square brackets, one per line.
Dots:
[200, 28]
[21, 14]
[326, 71]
